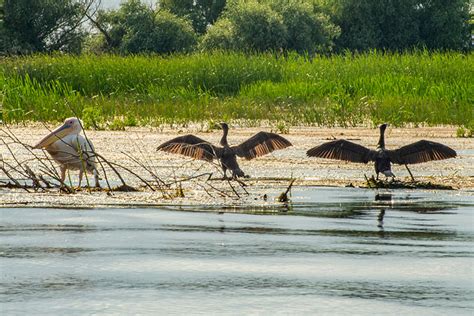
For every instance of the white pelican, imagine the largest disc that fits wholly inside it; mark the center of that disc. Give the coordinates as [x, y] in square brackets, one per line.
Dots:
[70, 150]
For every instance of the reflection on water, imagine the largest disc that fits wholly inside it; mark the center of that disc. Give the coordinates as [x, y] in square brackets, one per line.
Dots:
[330, 250]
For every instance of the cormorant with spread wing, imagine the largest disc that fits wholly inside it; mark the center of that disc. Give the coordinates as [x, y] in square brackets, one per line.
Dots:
[418, 152]
[258, 145]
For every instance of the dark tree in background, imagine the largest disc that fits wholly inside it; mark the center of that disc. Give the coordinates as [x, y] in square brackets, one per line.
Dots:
[201, 13]
[402, 24]
[44, 25]
[444, 24]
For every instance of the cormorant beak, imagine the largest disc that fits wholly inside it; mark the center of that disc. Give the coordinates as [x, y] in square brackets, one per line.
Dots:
[54, 136]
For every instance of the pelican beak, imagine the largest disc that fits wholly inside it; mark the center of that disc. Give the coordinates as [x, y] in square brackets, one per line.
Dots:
[54, 136]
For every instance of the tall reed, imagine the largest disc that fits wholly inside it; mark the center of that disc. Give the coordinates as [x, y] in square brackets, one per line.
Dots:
[420, 88]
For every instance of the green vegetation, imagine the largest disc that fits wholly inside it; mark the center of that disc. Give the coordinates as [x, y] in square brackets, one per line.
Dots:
[308, 27]
[113, 92]
[271, 26]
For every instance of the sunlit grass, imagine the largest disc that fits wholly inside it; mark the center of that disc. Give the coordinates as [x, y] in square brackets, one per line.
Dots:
[419, 88]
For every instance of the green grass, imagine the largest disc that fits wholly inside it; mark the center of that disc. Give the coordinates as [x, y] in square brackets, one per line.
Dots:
[113, 92]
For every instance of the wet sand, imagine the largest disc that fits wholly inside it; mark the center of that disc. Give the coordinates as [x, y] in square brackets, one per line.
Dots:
[268, 175]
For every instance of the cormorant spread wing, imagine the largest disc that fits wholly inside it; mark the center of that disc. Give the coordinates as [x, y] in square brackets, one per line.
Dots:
[260, 144]
[420, 151]
[343, 150]
[192, 146]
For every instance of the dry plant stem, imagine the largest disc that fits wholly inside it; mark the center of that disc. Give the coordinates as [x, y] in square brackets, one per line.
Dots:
[205, 189]
[34, 178]
[158, 180]
[24, 172]
[51, 168]
[17, 184]
[48, 169]
[208, 174]
[146, 165]
[105, 173]
[111, 165]
[219, 191]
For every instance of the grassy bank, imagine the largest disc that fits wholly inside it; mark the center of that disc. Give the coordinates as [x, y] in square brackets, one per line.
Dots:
[339, 90]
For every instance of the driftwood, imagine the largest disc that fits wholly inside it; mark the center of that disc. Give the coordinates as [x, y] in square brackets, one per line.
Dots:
[283, 197]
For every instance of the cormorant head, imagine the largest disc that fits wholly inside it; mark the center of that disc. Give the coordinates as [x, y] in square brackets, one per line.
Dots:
[224, 126]
[383, 126]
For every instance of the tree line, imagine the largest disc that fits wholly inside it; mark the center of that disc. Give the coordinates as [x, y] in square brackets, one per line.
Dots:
[169, 26]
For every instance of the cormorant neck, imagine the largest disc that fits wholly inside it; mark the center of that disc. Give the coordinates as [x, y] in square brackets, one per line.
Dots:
[223, 141]
[381, 143]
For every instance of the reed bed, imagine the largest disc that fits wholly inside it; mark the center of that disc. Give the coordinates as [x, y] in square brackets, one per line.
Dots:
[111, 91]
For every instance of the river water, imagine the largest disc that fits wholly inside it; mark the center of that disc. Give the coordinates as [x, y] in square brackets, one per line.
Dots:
[332, 250]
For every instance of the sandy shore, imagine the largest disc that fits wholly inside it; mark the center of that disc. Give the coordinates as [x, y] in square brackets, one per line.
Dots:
[269, 174]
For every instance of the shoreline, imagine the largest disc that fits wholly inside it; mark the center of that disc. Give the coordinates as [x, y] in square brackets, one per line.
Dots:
[269, 173]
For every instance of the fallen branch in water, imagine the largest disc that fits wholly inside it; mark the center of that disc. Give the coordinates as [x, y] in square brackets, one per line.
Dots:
[284, 196]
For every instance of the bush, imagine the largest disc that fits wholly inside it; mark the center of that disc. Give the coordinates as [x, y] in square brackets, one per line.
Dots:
[256, 26]
[308, 31]
[219, 36]
[136, 28]
[173, 34]
[272, 26]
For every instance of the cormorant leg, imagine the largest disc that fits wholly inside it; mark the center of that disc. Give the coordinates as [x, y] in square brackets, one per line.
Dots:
[411, 175]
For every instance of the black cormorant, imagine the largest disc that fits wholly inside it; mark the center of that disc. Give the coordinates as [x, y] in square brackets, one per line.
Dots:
[418, 152]
[258, 145]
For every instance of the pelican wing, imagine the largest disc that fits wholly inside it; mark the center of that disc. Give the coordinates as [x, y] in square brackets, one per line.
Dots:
[343, 150]
[421, 151]
[260, 144]
[191, 146]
